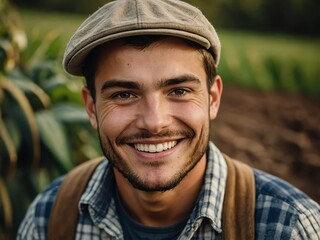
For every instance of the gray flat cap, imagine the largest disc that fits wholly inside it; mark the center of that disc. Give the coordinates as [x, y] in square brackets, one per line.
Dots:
[123, 18]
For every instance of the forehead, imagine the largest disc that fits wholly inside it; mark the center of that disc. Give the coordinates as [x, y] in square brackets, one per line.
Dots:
[159, 60]
[174, 50]
[147, 43]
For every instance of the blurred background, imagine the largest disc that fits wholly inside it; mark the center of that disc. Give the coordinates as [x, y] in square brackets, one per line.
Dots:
[269, 116]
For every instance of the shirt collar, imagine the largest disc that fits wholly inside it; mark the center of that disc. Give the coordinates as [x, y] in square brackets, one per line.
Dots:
[210, 202]
[99, 197]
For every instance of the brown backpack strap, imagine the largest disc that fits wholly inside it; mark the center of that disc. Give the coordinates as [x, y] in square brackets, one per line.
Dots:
[64, 214]
[237, 214]
[239, 202]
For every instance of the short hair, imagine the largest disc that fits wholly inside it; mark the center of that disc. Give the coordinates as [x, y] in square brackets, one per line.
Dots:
[141, 42]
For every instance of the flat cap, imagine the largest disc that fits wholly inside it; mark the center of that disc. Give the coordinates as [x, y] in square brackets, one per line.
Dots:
[124, 18]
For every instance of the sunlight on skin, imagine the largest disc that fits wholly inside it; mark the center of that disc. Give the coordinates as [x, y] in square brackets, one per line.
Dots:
[140, 104]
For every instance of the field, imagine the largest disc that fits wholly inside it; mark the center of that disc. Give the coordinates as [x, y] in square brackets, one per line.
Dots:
[269, 116]
[273, 131]
[271, 62]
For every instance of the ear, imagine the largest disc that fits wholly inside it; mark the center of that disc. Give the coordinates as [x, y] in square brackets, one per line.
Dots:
[215, 96]
[89, 106]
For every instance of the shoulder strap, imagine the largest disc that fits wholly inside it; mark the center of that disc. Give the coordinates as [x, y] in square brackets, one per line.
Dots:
[64, 214]
[239, 202]
[237, 214]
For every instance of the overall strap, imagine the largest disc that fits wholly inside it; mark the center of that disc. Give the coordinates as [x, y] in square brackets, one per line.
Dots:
[239, 202]
[64, 214]
[237, 214]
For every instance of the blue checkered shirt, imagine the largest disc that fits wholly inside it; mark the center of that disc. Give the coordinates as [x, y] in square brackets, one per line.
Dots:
[282, 211]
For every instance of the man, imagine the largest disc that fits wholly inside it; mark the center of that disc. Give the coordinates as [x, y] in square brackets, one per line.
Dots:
[151, 92]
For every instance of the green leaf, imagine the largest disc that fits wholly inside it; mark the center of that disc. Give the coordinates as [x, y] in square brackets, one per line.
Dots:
[37, 97]
[70, 113]
[60, 89]
[42, 71]
[46, 48]
[25, 112]
[10, 148]
[5, 202]
[53, 136]
[54, 45]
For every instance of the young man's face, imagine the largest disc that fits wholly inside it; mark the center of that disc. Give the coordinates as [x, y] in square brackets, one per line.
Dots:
[152, 111]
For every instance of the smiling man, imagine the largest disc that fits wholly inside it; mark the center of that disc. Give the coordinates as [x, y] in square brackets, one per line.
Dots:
[151, 92]
[152, 108]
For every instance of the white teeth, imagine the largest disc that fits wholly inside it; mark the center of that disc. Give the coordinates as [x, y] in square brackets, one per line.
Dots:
[159, 147]
[152, 148]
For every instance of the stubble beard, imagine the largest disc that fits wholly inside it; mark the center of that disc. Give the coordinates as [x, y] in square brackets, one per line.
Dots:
[136, 181]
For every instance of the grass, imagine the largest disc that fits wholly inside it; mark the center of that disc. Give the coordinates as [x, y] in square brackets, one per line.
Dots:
[40, 23]
[271, 62]
[262, 61]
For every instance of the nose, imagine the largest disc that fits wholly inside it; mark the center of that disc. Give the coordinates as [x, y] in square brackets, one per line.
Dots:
[154, 115]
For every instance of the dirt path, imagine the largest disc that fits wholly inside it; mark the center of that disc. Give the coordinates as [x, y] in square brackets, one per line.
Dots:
[275, 132]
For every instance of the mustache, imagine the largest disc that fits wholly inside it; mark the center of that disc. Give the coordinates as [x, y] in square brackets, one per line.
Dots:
[143, 135]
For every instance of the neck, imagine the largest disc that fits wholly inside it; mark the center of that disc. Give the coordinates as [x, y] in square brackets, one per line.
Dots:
[162, 208]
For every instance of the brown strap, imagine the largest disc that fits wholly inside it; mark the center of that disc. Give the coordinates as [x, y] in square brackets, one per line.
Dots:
[238, 205]
[239, 202]
[64, 215]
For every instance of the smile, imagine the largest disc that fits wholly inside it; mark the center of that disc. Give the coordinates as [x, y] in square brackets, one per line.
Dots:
[153, 148]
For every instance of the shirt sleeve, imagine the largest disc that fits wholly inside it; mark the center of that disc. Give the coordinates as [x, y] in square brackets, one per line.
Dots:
[35, 223]
[27, 229]
[308, 225]
[283, 211]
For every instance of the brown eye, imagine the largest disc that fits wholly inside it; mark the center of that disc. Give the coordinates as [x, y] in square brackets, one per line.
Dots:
[123, 95]
[179, 92]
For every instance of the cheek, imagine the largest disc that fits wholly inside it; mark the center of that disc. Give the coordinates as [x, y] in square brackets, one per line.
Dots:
[194, 114]
[114, 120]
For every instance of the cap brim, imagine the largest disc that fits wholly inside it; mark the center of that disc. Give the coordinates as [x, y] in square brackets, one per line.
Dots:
[73, 62]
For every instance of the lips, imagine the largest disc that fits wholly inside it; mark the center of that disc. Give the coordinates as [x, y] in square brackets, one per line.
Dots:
[155, 148]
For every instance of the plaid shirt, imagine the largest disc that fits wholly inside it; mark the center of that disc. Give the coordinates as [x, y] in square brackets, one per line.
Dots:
[282, 211]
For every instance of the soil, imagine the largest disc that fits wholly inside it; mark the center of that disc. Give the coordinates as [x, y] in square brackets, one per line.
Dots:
[272, 131]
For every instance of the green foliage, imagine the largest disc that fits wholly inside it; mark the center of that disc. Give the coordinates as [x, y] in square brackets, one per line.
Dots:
[44, 130]
[39, 23]
[79, 6]
[286, 16]
[270, 62]
[289, 16]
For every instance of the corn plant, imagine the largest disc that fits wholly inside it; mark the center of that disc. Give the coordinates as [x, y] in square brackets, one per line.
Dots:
[44, 130]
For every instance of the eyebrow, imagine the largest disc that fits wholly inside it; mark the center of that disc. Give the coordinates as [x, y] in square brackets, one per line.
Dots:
[178, 80]
[120, 83]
